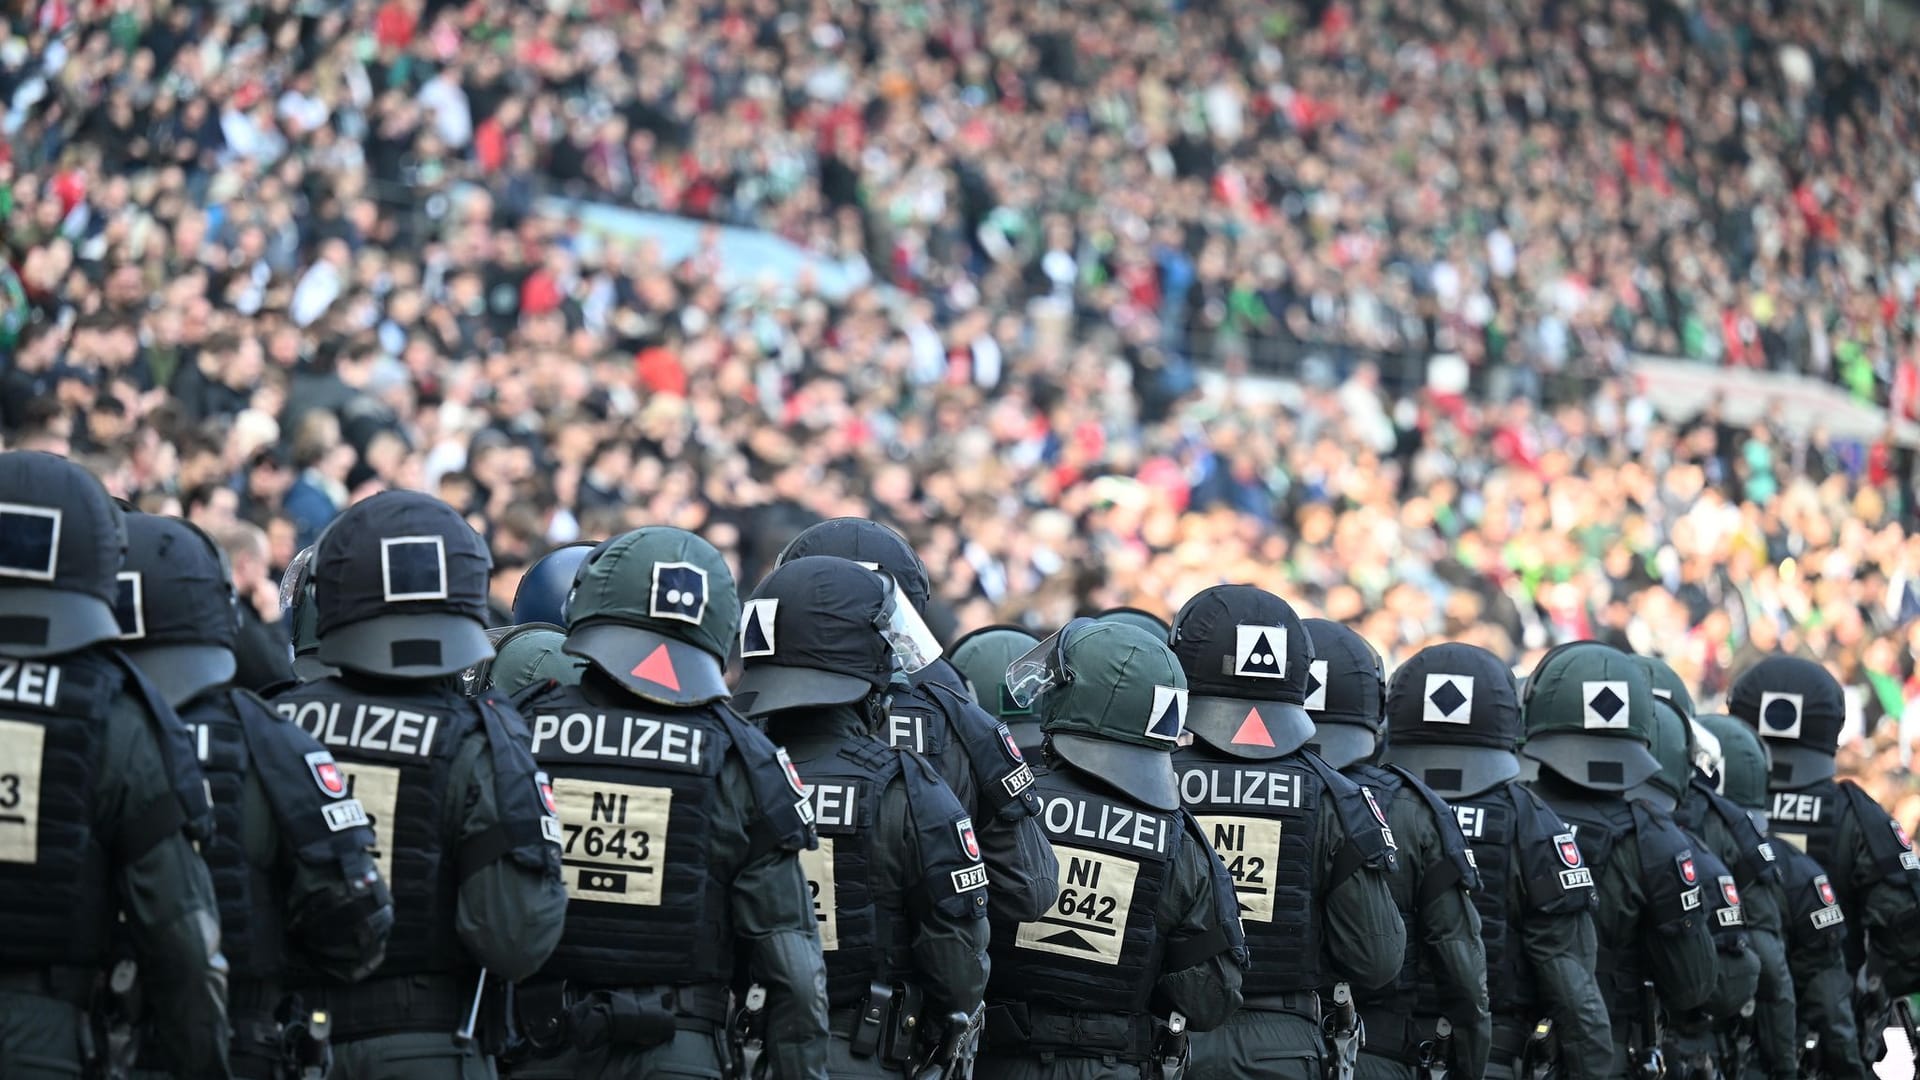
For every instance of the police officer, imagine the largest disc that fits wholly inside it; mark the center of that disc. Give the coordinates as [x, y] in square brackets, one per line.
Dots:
[90, 809]
[288, 855]
[1820, 1001]
[1143, 944]
[1761, 1041]
[981, 658]
[933, 715]
[1453, 719]
[467, 837]
[1588, 710]
[1797, 709]
[1433, 879]
[541, 596]
[1692, 1047]
[898, 889]
[1309, 851]
[529, 655]
[680, 824]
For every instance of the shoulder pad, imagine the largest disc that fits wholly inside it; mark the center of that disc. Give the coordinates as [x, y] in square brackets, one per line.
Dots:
[1754, 859]
[785, 821]
[951, 871]
[916, 721]
[1670, 867]
[1453, 843]
[1226, 903]
[178, 754]
[1558, 880]
[529, 827]
[1001, 772]
[1887, 842]
[1361, 817]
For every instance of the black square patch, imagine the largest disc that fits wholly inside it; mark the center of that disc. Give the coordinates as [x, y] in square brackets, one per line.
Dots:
[29, 541]
[413, 568]
[679, 592]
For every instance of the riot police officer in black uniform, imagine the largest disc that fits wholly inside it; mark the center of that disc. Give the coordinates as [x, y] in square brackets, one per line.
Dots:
[1589, 713]
[1797, 708]
[1433, 879]
[935, 716]
[1309, 851]
[100, 801]
[288, 855]
[898, 887]
[680, 824]
[1453, 720]
[467, 837]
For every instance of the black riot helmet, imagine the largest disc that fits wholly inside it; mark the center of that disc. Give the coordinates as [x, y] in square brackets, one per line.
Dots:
[400, 584]
[870, 544]
[1346, 694]
[822, 631]
[303, 616]
[175, 607]
[543, 591]
[1588, 710]
[62, 539]
[1246, 658]
[1453, 719]
[1797, 708]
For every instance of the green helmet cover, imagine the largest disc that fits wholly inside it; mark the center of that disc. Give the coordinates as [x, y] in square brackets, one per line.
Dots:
[982, 657]
[656, 609]
[1588, 711]
[1120, 710]
[1672, 746]
[532, 655]
[1667, 685]
[1744, 762]
[1134, 617]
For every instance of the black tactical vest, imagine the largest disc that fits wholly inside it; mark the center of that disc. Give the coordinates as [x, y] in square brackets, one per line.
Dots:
[1513, 834]
[1753, 859]
[1099, 948]
[396, 752]
[56, 889]
[865, 933]
[1813, 916]
[250, 930]
[935, 717]
[1453, 870]
[637, 787]
[1816, 820]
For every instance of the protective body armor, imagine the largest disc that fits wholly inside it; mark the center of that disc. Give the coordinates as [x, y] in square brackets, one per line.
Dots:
[395, 749]
[1513, 833]
[1454, 870]
[1099, 948]
[1668, 872]
[1813, 912]
[930, 718]
[637, 788]
[865, 933]
[55, 870]
[1815, 820]
[1752, 857]
[250, 932]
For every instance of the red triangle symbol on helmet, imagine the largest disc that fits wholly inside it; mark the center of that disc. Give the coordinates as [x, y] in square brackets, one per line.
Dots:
[658, 668]
[1253, 731]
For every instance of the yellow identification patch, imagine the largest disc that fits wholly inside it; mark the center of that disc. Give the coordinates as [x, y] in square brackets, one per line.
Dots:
[1251, 849]
[613, 840]
[1089, 916]
[818, 866]
[21, 746]
[377, 787]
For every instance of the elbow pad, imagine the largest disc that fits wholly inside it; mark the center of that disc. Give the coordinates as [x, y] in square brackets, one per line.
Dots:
[342, 929]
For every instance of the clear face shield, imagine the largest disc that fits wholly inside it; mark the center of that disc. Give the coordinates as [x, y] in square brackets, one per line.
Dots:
[1707, 755]
[1042, 667]
[294, 581]
[913, 645]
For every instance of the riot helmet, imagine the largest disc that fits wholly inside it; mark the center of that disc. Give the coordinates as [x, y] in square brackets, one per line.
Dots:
[1346, 694]
[1453, 719]
[175, 607]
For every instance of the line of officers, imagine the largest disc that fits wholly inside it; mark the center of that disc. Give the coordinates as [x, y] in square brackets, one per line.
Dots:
[1229, 847]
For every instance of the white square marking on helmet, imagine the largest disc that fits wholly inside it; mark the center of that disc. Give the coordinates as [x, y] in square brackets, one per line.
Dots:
[756, 627]
[1780, 714]
[1448, 699]
[1169, 716]
[413, 568]
[29, 541]
[1316, 699]
[1260, 652]
[679, 592]
[1603, 704]
[130, 605]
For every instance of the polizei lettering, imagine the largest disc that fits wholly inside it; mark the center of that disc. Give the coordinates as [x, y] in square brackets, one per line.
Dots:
[1796, 806]
[834, 804]
[368, 727]
[1068, 816]
[1240, 788]
[25, 682]
[642, 738]
[1473, 821]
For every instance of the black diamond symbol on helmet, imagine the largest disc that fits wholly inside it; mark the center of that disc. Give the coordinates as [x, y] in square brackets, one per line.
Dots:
[1607, 704]
[1447, 697]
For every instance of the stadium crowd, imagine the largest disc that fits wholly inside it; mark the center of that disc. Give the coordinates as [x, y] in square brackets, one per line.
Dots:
[262, 259]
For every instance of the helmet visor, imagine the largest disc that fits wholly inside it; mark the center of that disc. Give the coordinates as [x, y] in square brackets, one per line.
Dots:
[1042, 667]
[913, 644]
[295, 579]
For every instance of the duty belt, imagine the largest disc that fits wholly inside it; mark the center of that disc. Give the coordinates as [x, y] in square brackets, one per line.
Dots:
[709, 1004]
[1391, 1035]
[392, 1006]
[72, 985]
[1301, 1003]
[1036, 1029]
[1510, 1035]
